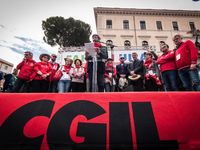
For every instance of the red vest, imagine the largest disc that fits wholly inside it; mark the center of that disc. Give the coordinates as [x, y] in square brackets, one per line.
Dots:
[55, 67]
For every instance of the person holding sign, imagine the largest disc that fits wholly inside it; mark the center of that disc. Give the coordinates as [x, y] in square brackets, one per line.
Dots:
[186, 57]
[102, 54]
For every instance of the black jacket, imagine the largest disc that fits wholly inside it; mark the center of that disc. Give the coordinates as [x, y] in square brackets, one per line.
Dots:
[137, 67]
[100, 60]
[125, 68]
[6, 83]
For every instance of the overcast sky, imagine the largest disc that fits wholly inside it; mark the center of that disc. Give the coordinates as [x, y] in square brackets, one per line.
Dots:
[20, 20]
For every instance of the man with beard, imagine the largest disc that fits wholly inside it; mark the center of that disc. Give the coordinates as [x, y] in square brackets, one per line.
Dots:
[55, 66]
[102, 54]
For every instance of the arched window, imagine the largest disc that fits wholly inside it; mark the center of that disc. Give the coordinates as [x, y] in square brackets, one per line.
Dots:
[161, 43]
[109, 42]
[145, 43]
[127, 43]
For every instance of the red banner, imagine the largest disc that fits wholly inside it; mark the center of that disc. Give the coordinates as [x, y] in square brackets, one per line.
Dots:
[100, 121]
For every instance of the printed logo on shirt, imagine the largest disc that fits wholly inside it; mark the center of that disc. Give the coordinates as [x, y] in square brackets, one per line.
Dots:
[54, 67]
[178, 57]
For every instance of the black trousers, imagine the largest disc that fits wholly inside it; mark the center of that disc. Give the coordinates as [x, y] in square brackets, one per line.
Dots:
[53, 87]
[21, 83]
[77, 87]
[137, 85]
[40, 86]
[151, 84]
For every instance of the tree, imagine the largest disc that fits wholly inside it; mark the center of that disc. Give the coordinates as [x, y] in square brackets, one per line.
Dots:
[65, 32]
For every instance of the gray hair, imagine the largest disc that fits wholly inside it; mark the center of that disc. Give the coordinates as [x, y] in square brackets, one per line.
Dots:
[178, 35]
[134, 53]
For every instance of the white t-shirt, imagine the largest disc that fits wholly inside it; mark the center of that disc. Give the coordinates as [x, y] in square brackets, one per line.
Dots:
[66, 75]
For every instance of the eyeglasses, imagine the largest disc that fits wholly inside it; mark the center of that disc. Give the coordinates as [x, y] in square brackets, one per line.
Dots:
[121, 58]
[25, 54]
[55, 56]
[45, 57]
[163, 47]
[176, 39]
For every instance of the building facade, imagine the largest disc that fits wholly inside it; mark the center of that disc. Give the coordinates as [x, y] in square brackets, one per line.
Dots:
[143, 27]
[5, 66]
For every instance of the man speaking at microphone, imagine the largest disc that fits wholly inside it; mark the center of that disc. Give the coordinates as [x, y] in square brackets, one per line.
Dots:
[102, 54]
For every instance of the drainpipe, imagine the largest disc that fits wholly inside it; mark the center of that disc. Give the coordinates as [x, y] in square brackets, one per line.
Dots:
[135, 31]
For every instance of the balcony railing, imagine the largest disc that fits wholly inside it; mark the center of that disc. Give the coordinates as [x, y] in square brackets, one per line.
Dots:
[119, 48]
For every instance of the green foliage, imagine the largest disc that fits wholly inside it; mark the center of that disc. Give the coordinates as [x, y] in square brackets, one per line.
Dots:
[65, 32]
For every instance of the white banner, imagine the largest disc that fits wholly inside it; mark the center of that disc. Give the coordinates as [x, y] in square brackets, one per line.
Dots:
[117, 54]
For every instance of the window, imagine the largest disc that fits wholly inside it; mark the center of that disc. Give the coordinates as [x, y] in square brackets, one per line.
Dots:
[145, 43]
[109, 24]
[6, 67]
[175, 25]
[109, 42]
[127, 43]
[192, 26]
[125, 24]
[142, 25]
[159, 25]
[161, 43]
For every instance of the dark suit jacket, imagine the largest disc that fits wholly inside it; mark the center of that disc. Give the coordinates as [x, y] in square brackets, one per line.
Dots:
[137, 67]
[118, 68]
[100, 62]
[6, 83]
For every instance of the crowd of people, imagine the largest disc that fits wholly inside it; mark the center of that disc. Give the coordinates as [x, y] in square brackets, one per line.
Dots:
[174, 70]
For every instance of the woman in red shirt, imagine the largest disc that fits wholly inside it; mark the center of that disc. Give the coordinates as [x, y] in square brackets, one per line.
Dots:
[40, 77]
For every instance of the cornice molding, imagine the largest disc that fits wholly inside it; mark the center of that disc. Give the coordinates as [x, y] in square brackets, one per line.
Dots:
[109, 35]
[127, 36]
[144, 36]
[151, 12]
[6, 62]
[161, 36]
